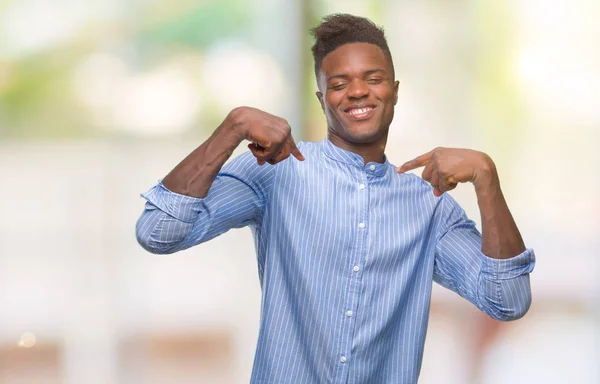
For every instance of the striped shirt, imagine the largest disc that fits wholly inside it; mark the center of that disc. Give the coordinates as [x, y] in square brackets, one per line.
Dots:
[347, 254]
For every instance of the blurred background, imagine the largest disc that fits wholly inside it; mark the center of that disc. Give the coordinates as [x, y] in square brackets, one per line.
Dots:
[100, 99]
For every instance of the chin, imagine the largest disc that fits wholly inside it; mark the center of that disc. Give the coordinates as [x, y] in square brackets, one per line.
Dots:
[362, 139]
[364, 136]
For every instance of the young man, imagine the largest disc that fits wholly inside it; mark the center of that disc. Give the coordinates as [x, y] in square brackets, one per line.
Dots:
[348, 245]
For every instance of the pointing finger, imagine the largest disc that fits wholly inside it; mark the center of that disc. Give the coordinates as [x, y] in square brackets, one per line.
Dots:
[294, 150]
[417, 162]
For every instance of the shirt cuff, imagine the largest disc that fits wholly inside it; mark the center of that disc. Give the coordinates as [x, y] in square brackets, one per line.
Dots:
[181, 207]
[503, 269]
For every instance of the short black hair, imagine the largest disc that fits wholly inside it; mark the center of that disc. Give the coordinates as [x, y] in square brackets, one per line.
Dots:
[341, 28]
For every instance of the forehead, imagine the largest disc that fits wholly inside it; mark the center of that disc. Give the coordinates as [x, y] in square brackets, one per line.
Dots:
[354, 58]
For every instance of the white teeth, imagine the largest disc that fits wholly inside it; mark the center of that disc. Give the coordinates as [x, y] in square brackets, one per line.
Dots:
[359, 111]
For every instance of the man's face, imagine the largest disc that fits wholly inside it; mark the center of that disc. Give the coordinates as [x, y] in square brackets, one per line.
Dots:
[357, 93]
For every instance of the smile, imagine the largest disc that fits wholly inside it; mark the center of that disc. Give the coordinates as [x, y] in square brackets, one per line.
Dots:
[362, 113]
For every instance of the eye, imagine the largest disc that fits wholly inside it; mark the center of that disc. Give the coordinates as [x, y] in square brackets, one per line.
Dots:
[337, 86]
[374, 80]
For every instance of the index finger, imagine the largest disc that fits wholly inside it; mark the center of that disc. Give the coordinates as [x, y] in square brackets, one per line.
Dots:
[293, 149]
[417, 162]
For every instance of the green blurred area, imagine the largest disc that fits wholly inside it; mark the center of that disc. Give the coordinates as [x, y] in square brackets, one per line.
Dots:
[37, 99]
[40, 97]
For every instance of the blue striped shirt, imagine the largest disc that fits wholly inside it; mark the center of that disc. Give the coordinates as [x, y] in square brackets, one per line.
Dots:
[347, 254]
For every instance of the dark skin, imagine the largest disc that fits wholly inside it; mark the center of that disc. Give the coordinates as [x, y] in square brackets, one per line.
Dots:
[357, 92]
[353, 78]
[271, 142]
[446, 167]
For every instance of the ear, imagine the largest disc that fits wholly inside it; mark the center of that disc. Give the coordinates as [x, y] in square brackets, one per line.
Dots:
[396, 85]
[320, 97]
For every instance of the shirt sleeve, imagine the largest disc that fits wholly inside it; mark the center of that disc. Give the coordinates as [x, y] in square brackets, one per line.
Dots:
[172, 222]
[499, 287]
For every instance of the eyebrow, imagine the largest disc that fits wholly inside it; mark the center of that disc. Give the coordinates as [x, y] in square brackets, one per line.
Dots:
[367, 73]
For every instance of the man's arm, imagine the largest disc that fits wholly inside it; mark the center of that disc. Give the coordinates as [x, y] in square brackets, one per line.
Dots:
[200, 199]
[446, 167]
[500, 236]
[491, 271]
[271, 140]
[499, 287]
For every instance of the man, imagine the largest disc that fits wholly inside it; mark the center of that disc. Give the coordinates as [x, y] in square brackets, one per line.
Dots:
[348, 245]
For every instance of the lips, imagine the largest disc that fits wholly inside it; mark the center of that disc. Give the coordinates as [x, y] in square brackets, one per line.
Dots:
[361, 112]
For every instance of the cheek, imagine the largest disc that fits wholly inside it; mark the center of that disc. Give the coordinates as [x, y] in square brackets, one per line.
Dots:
[389, 112]
[330, 108]
[389, 101]
[331, 102]
[332, 115]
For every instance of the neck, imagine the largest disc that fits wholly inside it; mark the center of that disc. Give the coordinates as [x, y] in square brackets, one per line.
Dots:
[370, 152]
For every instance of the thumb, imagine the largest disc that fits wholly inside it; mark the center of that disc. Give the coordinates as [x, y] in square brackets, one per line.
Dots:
[258, 152]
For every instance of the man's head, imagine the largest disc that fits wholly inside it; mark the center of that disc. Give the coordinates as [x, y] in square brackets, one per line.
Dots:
[355, 76]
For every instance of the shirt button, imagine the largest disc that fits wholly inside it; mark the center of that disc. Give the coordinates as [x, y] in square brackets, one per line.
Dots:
[372, 167]
[343, 359]
[349, 313]
[361, 187]
[361, 225]
[356, 268]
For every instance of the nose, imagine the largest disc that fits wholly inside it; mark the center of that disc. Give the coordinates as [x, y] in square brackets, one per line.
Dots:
[357, 89]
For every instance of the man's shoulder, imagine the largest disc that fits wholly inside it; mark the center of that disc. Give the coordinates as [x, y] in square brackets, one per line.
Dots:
[412, 180]
[309, 146]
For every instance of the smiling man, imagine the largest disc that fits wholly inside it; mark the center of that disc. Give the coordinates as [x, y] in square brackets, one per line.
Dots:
[348, 245]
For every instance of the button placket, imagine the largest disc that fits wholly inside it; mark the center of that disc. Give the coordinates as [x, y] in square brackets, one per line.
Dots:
[349, 314]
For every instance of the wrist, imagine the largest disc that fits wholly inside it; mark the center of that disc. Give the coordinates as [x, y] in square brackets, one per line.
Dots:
[234, 122]
[232, 127]
[486, 177]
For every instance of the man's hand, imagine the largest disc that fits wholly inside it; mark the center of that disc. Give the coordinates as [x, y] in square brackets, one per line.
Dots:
[271, 140]
[446, 167]
[270, 136]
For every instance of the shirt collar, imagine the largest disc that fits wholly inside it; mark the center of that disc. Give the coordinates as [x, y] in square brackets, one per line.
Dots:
[338, 154]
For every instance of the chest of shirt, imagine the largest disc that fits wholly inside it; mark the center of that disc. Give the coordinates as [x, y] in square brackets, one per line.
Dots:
[327, 211]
